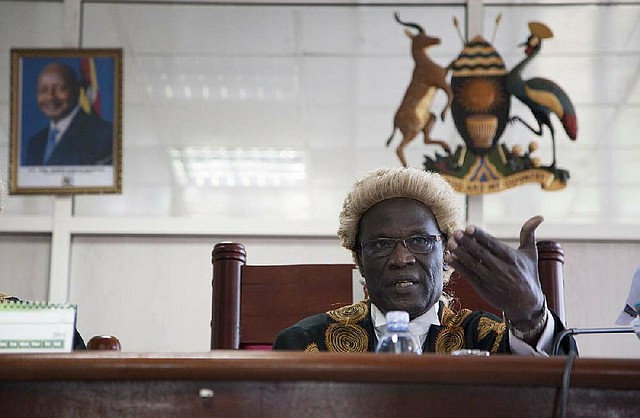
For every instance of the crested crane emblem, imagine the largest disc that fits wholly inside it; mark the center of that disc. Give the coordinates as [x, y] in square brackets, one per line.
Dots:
[482, 88]
[542, 96]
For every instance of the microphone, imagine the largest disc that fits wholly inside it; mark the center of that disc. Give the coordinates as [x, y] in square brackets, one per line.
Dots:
[576, 331]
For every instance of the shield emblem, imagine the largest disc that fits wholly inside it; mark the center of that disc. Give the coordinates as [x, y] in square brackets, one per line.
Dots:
[481, 102]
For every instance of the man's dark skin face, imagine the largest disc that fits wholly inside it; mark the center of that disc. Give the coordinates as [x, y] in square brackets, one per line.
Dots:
[57, 91]
[402, 280]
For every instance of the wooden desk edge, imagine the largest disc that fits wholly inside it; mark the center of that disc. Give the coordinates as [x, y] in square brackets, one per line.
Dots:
[233, 365]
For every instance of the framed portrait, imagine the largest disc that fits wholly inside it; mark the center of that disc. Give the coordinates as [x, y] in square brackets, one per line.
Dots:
[66, 121]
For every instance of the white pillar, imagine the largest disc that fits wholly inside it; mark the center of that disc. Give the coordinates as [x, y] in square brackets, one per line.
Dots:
[475, 26]
[59, 264]
[72, 24]
[60, 250]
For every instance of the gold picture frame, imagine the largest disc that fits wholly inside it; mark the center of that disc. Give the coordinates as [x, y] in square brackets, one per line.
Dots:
[66, 121]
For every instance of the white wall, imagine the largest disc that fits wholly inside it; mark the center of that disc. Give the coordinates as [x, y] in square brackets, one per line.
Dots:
[597, 280]
[24, 265]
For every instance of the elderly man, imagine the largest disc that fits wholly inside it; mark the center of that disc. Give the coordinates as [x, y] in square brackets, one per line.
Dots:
[72, 137]
[403, 227]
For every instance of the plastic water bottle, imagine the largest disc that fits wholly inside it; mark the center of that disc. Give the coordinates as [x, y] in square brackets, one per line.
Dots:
[397, 339]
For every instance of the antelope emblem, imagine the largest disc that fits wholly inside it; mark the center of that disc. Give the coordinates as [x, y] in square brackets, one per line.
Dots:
[414, 114]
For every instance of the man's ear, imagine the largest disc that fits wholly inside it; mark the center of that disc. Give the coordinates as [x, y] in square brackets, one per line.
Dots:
[445, 265]
[358, 260]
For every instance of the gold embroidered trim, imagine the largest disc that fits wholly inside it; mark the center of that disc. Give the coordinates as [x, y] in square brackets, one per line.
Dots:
[447, 314]
[496, 343]
[312, 348]
[451, 337]
[346, 335]
[346, 338]
[486, 326]
[454, 319]
[350, 313]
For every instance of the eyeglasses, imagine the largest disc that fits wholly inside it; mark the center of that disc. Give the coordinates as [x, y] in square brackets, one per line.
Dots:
[417, 244]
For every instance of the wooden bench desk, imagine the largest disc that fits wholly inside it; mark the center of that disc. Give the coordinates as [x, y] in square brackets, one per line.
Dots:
[281, 384]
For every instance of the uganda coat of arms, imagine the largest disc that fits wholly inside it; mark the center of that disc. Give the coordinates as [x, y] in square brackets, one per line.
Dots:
[482, 87]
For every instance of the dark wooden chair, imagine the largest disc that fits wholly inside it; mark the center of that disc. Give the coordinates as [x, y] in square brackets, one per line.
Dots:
[251, 303]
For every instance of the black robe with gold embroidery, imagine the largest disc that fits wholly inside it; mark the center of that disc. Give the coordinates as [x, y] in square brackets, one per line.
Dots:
[350, 329]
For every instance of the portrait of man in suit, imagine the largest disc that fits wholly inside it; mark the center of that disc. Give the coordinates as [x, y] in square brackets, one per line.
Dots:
[72, 137]
[66, 121]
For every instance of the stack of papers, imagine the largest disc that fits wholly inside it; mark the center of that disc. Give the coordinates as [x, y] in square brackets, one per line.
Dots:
[28, 327]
